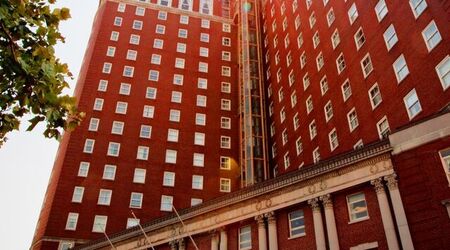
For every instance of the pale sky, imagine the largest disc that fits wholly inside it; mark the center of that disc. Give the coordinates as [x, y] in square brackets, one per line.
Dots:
[27, 158]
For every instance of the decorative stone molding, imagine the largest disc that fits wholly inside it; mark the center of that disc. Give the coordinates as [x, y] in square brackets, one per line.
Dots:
[327, 201]
[270, 217]
[378, 185]
[181, 243]
[314, 203]
[173, 244]
[260, 219]
[392, 182]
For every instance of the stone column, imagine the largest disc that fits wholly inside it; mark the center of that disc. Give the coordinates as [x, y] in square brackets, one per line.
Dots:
[386, 216]
[262, 234]
[173, 245]
[272, 228]
[333, 240]
[318, 224]
[399, 211]
[214, 241]
[181, 244]
[223, 240]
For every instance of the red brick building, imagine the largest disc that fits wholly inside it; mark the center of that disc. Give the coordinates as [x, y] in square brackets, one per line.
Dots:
[286, 104]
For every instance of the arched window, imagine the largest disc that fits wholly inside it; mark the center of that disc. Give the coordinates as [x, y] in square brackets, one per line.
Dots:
[185, 4]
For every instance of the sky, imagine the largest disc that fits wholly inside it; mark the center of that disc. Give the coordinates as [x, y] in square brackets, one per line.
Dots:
[27, 158]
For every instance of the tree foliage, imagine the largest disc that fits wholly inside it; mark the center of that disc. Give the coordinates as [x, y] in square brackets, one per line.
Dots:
[31, 77]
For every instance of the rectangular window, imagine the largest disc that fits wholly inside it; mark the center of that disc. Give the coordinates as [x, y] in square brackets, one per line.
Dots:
[132, 222]
[169, 179]
[93, 124]
[366, 65]
[357, 207]
[182, 33]
[158, 43]
[83, 170]
[225, 104]
[225, 87]
[390, 37]
[333, 138]
[153, 75]
[445, 159]
[160, 29]
[383, 127]
[200, 119]
[104, 197]
[316, 155]
[136, 200]
[352, 13]
[166, 203]
[225, 163]
[225, 185]
[134, 39]
[162, 15]
[113, 149]
[140, 11]
[335, 38]
[443, 72]
[128, 71]
[330, 17]
[296, 224]
[202, 83]
[150, 93]
[197, 182]
[201, 101]
[137, 25]
[139, 175]
[72, 220]
[172, 135]
[148, 112]
[114, 36]
[340, 63]
[145, 132]
[77, 196]
[174, 115]
[184, 19]
[142, 153]
[328, 111]
[117, 21]
[226, 41]
[121, 7]
[198, 160]
[431, 35]
[381, 10]
[245, 238]
[203, 52]
[203, 67]
[176, 97]
[412, 104]
[179, 63]
[117, 128]
[111, 51]
[107, 68]
[109, 172]
[400, 68]
[204, 37]
[121, 108]
[287, 161]
[324, 85]
[352, 119]
[125, 89]
[102, 85]
[204, 24]
[312, 130]
[299, 146]
[360, 39]
[225, 142]
[171, 156]
[417, 7]
[99, 225]
[226, 56]
[346, 90]
[375, 96]
[156, 59]
[226, 71]
[196, 201]
[199, 139]
[178, 79]
[88, 146]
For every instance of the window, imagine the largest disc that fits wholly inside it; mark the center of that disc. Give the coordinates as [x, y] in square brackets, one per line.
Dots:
[198, 160]
[137, 25]
[121, 7]
[245, 238]
[352, 119]
[139, 175]
[179, 63]
[77, 195]
[320, 62]
[225, 104]
[93, 124]
[375, 96]
[102, 85]
[306, 81]
[357, 207]
[360, 39]
[225, 142]
[125, 89]
[445, 159]
[340, 63]
[335, 39]
[205, 38]
[158, 44]
[184, 19]
[109, 172]
[352, 13]
[182, 33]
[136, 200]
[169, 179]
[225, 87]
[200, 119]
[174, 115]
[202, 83]
[225, 163]
[203, 67]
[72, 220]
[383, 127]
[165, 2]
[309, 104]
[99, 224]
[172, 135]
[176, 97]
[225, 185]
[328, 111]
[225, 122]
[226, 56]
[443, 72]
[201, 101]
[346, 90]
[140, 11]
[417, 7]
[196, 201]
[299, 146]
[316, 39]
[312, 20]
[324, 85]
[142, 153]
[197, 182]
[145, 132]
[162, 15]
[128, 71]
[226, 71]
[153, 75]
[185, 5]
[282, 115]
[284, 137]
[166, 203]
[296, 121]
[296, 224]
[358, 144]
[381, 10]
[300, 40]
[83, 170]
[366, 65]
[111, 51]
[114, 36]
[312, 130]
[171, 156]
[199, 139]
[65, 245]
[204, 23]
[134, 39]
[150, 93]
[330, 17]
[132, 222]
[121, 108]
[204, 52]
[400, 68]
[117, 21]
[148, 111]
[107, 68]
[226, 41]
[206, 7]
[332, 136]
[160, 29]
[113, 149]
[156, 59]
[104, 197]
[390, 37]
[431, 35]
[88, 146]
[274, 150]
[316, 155]
[178, 79]
[287, 161]
[293, 99]
[412, 104]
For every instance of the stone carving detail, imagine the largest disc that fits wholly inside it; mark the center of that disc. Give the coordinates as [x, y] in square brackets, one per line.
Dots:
[327, 201]
[260, 219]
[391, 181]
[181, 243]
[378, 185]
[270, 217]
[173, 244]
[314, 203]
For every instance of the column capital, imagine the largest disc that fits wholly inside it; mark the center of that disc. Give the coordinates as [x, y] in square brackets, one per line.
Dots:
[314, 203]
[173, 244]
[392, 182]
[181, 243]
[270, 217]
[327, 201]
[260, 219]
[378, 185]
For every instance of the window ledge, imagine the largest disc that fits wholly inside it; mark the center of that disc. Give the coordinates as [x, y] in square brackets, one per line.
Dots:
[297, 236]
[359, 220]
